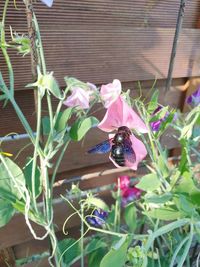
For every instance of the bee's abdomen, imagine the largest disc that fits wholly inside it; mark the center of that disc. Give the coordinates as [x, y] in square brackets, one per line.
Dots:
[117, 154]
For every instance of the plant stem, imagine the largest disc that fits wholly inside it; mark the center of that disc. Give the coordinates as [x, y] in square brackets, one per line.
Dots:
[37, 140]
[82, 234]
[4, 49]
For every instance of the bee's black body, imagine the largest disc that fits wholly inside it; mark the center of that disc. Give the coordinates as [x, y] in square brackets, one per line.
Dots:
[117, 149]
[120, 147]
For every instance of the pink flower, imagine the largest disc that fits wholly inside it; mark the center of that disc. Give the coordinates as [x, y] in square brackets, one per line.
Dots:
[78, 98]
[130, 194]
[124, 182]
[110, 92]
[118, 114]
[49, 3]
[139, 150]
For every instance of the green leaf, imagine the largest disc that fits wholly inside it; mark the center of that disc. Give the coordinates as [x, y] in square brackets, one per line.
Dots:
[46, 128]
[97, 202]
[63, 119]
[51, 85]
[73, 251]
[94, 244]
[159, 115]
[117, 254]
[95, 257]
[73, 82]
[158, 199]
[130, 217]
[6, 182]
[186, 185]
[81, 127]
[153, 102]
[28, 174]
[149, 182]
[166, 214]
[6, 212]
[160, 232]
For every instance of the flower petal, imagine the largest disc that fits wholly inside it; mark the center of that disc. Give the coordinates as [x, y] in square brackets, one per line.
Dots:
[194, 99]
[78, 98]
[110, 92]
[118, 114]
[140, 152]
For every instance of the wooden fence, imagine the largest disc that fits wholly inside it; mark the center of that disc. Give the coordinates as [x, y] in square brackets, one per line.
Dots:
[96, 41]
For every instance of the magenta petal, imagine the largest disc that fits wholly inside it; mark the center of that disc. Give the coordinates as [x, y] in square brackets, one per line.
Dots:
[121, 114]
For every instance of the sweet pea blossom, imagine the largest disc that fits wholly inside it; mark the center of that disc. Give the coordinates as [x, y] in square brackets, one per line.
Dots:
[139, 149]
[118, 114]
[97, 218]
[129, 193]
[194, 99]
[79, 98]
[124, 182]
[110, 92]
[49, 3]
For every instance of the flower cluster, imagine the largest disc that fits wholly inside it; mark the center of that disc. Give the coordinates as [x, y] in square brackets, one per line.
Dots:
[98, 217]
[129, 193]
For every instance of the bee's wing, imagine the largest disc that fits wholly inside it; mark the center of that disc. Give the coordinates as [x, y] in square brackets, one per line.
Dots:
[101, 148]
[129, 153]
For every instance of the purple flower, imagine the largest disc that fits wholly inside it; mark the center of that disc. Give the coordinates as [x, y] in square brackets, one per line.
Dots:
[194, 99]
[155, 125]
[98, 217]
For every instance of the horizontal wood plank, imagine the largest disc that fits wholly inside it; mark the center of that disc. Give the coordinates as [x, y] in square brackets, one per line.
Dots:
[99, 55]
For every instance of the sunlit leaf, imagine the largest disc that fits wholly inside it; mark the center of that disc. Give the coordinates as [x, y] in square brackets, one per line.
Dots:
[81, 127]
[149, 182]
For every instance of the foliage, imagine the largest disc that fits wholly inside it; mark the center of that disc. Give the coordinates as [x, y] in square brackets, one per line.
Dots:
[154, 220]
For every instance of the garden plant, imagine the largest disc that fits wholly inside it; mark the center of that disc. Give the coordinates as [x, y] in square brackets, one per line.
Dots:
[154, 218]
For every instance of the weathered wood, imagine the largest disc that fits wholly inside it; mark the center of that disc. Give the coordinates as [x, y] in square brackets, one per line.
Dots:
[99, 55]
[7, 257]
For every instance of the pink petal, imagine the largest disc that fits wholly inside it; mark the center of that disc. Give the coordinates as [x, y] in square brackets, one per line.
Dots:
[140, 152]
[118, 114]
[92, 87]
[78, 98]
[110, 92]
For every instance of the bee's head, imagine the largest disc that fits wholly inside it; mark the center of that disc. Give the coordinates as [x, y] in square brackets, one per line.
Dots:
[124, 129]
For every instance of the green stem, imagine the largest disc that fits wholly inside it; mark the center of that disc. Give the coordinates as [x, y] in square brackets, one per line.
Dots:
[35, 155]
[58, 163]
[4, 49]
[82, 235]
